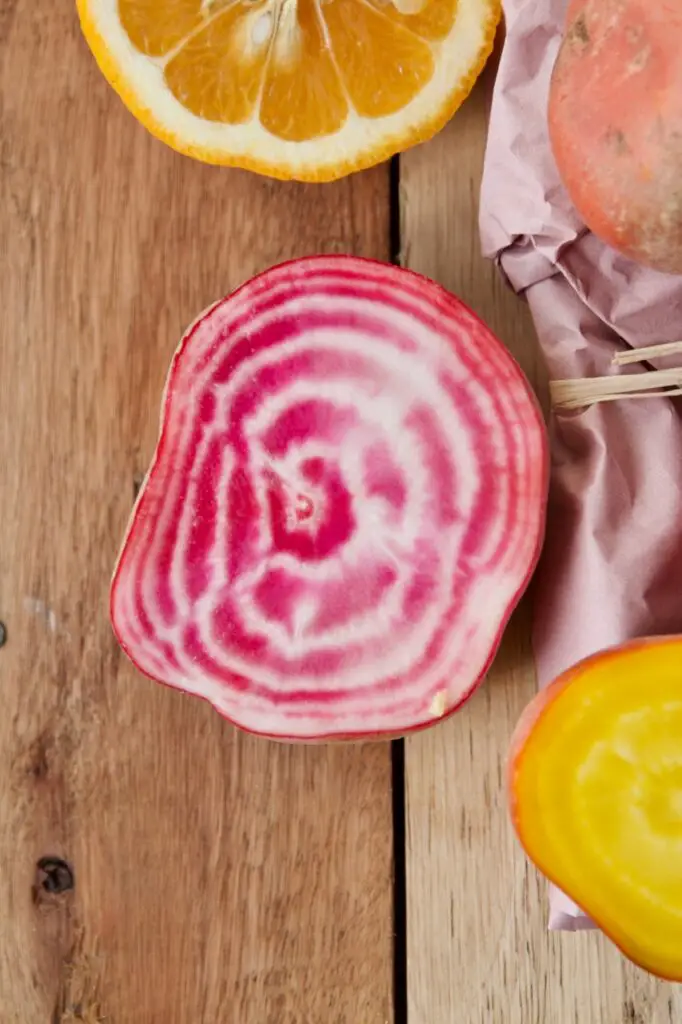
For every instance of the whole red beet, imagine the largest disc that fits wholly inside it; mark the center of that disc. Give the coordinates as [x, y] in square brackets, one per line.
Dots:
[615, 124]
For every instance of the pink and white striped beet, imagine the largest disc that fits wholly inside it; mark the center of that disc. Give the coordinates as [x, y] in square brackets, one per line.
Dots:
[346, 501]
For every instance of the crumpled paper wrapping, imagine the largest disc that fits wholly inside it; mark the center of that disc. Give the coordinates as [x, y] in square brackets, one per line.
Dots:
[612, 563]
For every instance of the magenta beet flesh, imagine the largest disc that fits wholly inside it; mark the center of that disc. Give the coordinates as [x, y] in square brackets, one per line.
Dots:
[346, 502]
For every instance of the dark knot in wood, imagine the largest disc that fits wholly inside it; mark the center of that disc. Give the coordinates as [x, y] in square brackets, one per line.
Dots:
[53, 877]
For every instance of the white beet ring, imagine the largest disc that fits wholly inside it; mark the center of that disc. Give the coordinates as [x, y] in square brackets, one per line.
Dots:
[346, 502]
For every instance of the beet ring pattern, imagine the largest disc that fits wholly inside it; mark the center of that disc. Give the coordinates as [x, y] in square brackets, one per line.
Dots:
[346, 501]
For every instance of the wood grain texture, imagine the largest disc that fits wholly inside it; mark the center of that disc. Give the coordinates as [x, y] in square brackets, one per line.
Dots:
[219, 879]
[477, 947]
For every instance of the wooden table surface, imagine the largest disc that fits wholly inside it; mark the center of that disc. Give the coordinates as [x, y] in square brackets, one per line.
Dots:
[218, 878]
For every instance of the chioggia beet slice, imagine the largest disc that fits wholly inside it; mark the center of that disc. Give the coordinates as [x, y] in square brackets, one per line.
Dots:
[346, 501]
[595, 779]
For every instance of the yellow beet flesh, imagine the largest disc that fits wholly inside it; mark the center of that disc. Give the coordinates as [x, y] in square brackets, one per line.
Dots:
[595, 784]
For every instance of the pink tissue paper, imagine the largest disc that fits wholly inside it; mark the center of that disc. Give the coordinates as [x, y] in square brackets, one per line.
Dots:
[612, 563]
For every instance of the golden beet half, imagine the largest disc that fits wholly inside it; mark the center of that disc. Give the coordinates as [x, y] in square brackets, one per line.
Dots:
[595, 781]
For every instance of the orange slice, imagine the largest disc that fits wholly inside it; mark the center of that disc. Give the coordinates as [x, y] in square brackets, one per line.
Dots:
[307, 89]
[595, 781]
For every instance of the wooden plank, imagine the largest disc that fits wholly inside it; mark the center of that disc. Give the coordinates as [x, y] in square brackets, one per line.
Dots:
[477, 947]
[218, 878]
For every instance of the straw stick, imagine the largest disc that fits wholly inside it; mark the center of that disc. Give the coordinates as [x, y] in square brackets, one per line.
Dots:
[573, 394]
[641, 355]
